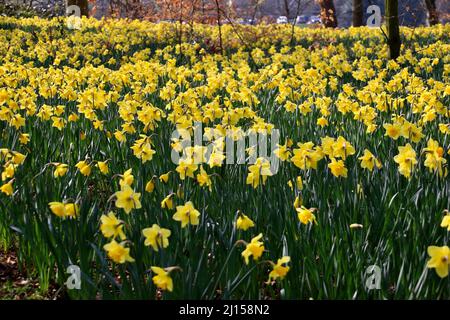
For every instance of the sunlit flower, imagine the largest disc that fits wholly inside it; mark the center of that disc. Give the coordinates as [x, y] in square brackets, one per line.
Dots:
[103, 166]
[338, 168]
[368, 161]
[156, 237]
[111, 226]
[7, 188]
[117, 252]
[306, 215]
[406, 159]
[203, 179]
[187, 214]
[243, 222]
[84, 167]
[434, 157]
[259, 172]
[150, 186]
[279, 270]
[164, 177]
[167, 202]
[127, 199]
[60, 170]
[440, 260]
[255, 248]
[446, 220]
[162, 279]
[127, 178]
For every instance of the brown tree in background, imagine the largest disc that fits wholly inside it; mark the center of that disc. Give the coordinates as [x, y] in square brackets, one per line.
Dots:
[393, 29]
[433, 16]
[357, 13]
[188, 12]
[284, 7]
[83, 4]
[254, 7]
[328, 13]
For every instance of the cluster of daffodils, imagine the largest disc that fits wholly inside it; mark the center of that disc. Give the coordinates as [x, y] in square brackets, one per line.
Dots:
[255, 249]
[10, 161]
[83, 166]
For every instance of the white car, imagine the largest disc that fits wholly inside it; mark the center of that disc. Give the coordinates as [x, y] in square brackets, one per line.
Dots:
[314, 20]
[301, 19]
[282, 20]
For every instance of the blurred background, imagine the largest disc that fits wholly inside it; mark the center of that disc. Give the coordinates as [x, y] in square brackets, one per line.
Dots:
[337, 13]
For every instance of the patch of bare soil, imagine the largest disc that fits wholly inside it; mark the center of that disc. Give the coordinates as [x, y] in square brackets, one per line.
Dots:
[16, 285]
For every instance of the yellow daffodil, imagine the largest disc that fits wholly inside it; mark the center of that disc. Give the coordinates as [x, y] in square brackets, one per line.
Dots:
[60, 170]
[434, 157]
[156, 237]
[406, 159]
[63, 210]
[342, 148]
[279, 270]
[84, 167]
[9, 171]
[243, 222]
[58, 208]
[127, 199]
[283, 152]
[187, 214]
[117, 252]
[298, 202]
[255, 248]
[440, 260]
[103, 166]
[368, 161]
[7, 188]
[306, 157]
[72, 210]
[338, 168]
[392, 130]
[446, 221]
[17, 157]
[127, 178]
[203, 179]
[111, 226]
[24, 138]
[258, 172]
[186, 168]
[164, 177]
[167, 202]
[305, 215]
[150, 186]
[162, 279]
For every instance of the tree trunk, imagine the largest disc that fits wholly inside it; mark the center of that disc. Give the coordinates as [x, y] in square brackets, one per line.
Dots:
[83, 4]
[393, 29]
[219, 24]
[357, 13]
[433, 16]
[287, 10]
[328, 13]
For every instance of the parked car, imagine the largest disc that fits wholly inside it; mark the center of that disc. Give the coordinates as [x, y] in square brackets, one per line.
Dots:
[301, 19]
[282, 20]
[314, 20]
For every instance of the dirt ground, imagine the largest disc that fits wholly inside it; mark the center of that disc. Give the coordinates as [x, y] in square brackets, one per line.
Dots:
[15, 285]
